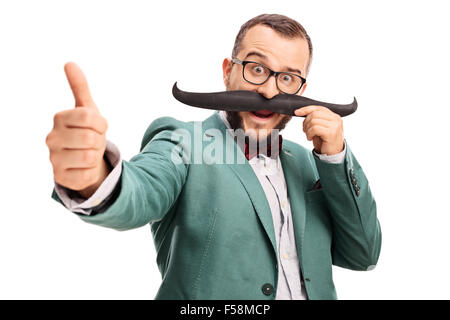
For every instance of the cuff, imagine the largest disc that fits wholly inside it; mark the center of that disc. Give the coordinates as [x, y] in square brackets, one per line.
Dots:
[72, 200]
[335, 158]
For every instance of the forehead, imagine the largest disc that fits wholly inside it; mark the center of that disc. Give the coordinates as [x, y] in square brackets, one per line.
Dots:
[281, 52]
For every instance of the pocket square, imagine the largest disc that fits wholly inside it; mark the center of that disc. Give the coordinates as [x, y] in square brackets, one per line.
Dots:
[317, 185]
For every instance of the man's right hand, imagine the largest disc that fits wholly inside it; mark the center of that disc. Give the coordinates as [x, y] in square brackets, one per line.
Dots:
[78, 139]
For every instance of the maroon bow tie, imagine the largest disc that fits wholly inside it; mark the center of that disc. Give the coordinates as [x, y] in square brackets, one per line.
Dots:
[268, 152]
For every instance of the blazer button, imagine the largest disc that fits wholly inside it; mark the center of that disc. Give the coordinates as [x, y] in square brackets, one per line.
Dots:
[267, 289]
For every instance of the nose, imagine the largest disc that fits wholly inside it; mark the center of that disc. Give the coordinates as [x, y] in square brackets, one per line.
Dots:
[269, 88]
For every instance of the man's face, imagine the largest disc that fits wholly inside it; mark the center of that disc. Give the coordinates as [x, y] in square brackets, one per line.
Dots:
[264, 45]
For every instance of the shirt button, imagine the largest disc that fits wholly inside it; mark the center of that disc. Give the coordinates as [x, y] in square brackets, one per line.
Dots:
[283, 204]
[267, 289]
[284, 256]
[96, 202]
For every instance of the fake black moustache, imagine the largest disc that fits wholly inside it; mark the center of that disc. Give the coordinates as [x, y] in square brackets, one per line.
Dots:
[243, 100]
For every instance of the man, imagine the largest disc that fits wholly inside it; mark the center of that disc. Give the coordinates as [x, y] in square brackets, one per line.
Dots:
[266, 228]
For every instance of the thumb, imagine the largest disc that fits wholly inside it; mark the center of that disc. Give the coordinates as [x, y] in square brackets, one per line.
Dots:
[79, 85]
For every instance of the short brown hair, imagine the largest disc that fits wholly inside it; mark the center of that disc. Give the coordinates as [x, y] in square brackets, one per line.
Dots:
[285, 26]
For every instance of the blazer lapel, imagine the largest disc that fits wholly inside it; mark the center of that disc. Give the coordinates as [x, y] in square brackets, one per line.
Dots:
[245, 175]
[251, 183]
[294, 181]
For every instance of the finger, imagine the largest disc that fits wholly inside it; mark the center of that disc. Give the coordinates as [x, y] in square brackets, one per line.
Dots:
[88, 118]
[309, 122]
[75, 138]
[304, 111]
[316, 131]
[79, 85]
[70, 138]
[319, 114]
[75, 159]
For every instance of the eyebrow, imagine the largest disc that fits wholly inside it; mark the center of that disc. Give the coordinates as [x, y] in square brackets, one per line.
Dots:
[264, 57]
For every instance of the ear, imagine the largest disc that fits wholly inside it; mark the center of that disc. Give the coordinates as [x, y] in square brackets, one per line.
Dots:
[226, 69]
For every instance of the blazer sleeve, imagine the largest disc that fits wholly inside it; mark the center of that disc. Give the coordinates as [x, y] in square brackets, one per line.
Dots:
[150, 182]
[356, 229]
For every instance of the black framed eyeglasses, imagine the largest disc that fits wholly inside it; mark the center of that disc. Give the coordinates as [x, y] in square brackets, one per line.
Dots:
[257, 73]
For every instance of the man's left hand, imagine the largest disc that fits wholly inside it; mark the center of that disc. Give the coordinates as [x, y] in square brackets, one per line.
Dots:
[324, 127]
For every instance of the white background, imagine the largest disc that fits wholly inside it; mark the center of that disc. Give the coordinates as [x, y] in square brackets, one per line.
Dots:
[393, 56]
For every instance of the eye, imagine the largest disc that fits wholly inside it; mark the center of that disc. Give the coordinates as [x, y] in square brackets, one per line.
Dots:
[286, 78]
[258, 69]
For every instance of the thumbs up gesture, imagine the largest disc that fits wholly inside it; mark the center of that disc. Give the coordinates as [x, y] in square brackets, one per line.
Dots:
[78, 139]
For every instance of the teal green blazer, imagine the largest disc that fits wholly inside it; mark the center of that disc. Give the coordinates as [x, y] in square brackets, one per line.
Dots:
[212, 226]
